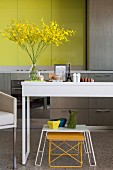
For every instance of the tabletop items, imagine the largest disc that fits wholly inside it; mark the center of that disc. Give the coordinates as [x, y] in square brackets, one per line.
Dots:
[86, 79]
[76, 77]
[53, 124]
[72, 119]
[68, 75]
[56, 123]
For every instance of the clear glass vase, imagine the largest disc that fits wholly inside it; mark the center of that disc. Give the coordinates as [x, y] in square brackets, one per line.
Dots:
[33, 72]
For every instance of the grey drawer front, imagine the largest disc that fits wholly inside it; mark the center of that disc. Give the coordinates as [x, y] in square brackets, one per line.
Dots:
[84, 75]
[36, 114]
[82, 115]
[101, 117]
[20, 76]
[101, 77]
[100, 102]
[68, 102]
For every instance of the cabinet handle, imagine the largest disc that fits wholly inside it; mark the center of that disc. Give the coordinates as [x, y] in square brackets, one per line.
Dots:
[103, 110]
[16, 89]
[102, 75]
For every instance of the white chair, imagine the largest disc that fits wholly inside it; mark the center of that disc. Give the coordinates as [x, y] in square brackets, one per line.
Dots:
[8, 118]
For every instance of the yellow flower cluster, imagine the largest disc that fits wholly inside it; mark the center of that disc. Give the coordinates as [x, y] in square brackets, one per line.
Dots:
[53, 34]
[33, 40]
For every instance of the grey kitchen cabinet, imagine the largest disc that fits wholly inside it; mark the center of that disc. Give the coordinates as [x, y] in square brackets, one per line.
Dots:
[5, 82]
[2, 82]
[101, 109]
[69, 102]
[19, 76]
[36, 113]
[60, 107]
[101, 117]
[25, 76]
[84, 75]
[100, 103]
[100, 34]
[101, 77]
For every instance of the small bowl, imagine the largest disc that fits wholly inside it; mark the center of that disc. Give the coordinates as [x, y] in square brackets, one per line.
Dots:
[62, 121]
[53, 124]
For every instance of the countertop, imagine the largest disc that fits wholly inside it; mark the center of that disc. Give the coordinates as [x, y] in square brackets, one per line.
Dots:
[42, 69]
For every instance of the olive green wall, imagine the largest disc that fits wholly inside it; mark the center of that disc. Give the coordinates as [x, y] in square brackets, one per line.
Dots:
[69, 14]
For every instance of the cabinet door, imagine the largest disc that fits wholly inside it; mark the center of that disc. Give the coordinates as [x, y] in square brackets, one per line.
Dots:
[100, 111]
[101, 117]
[34, 11]
[101, 77]
[20, 76]
[36, 114]
[68, 102]
[82, 115]
[70, 15]
[2, 82]
[8, 49]
[100, 102]
[100, 34]
[5, 83]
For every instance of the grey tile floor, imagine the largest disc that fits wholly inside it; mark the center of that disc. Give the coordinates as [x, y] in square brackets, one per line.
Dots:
[102, 142]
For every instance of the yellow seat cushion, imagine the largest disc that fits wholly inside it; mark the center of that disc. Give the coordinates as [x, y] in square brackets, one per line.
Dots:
[66, 136]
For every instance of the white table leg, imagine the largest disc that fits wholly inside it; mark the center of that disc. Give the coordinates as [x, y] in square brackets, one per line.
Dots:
[23, 132]
[24, 153]
[28, 125]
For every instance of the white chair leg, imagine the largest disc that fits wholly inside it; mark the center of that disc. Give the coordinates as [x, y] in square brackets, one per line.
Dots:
[14, 148]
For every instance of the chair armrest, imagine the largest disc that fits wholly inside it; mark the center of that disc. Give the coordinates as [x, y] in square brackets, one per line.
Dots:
[8, 104]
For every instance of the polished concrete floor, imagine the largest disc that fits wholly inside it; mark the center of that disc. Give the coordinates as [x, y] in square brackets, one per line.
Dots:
[102, 142]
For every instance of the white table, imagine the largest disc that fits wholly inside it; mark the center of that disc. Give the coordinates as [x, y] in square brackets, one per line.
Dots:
[88, 146]
[57, 89]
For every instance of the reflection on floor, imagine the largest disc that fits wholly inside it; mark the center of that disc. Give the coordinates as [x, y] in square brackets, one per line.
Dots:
[102, 142]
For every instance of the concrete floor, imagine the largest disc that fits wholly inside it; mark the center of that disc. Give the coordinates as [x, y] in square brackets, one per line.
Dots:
[102, 142]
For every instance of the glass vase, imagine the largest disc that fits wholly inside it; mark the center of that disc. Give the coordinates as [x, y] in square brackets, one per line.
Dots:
[33, 72]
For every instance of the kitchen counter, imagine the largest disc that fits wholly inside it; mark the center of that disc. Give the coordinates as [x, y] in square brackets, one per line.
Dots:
[45, 69]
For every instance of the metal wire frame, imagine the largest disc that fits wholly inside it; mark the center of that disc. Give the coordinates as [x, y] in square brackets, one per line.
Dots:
[65, 153]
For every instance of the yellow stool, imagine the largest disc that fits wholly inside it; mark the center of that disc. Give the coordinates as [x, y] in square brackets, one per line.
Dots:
[57, 140]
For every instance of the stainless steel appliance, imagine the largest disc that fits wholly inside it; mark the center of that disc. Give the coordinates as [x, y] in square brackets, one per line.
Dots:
[40, 106]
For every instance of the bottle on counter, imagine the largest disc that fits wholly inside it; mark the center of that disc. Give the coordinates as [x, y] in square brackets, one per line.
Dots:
[78, 75]
[74, 77]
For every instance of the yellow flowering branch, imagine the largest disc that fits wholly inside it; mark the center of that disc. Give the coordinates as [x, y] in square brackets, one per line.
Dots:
[33, 40]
